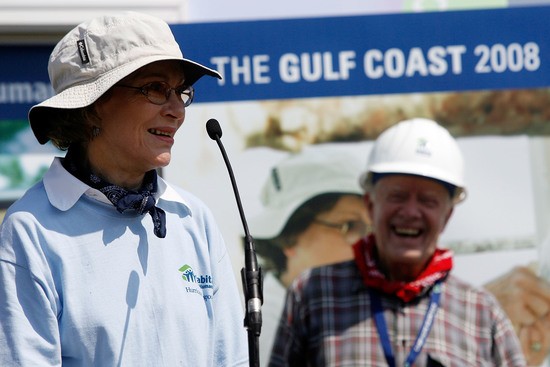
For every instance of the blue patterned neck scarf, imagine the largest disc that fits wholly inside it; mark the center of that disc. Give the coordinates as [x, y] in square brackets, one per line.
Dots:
[141, 201]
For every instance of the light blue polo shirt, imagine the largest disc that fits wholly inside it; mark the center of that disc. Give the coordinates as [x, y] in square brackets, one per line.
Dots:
[84, 285]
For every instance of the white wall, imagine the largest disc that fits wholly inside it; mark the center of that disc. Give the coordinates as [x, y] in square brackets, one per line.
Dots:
[70, 12]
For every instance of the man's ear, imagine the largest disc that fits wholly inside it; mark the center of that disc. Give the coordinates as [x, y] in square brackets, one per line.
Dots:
[367, 198]
[289, 251]
[447, 217]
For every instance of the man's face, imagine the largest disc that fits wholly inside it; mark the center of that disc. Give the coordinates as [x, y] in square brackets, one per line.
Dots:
[408, 214]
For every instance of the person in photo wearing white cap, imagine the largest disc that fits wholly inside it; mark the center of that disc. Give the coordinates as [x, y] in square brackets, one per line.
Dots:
[397, 303]
[103, 263]
[312, 213]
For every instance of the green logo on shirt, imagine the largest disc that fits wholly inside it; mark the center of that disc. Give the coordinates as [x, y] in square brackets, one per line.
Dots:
[204, 281]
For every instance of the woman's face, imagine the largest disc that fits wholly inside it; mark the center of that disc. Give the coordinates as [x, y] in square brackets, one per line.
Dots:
[136, 135]
[321, 244]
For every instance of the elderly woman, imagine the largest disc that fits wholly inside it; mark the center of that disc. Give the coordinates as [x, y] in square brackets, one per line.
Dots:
[103, 263]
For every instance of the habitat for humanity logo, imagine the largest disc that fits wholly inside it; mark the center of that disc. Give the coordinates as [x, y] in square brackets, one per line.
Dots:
[204, 281]
[423, 146]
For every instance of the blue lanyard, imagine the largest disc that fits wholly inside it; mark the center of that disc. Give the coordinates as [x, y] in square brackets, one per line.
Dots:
[377, 311]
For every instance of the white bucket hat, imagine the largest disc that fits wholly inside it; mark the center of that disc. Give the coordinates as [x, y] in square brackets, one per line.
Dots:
[300, 177]
[97, 54]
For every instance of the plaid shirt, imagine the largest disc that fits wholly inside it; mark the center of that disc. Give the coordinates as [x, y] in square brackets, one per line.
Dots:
[327, 321]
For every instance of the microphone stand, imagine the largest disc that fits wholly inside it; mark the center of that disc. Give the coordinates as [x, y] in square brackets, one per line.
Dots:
[251, 273]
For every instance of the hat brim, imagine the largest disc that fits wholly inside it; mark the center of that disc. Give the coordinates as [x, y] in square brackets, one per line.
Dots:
[83, 95]
[365, 179]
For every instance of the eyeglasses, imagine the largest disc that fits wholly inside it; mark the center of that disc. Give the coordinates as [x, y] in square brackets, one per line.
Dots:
[159, 92]
[352, 230]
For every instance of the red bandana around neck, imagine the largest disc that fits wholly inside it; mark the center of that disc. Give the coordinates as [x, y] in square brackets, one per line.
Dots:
[439, 266]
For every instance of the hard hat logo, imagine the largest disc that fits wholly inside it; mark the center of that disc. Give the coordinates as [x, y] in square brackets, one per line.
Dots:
[417, 147]
[423, 147]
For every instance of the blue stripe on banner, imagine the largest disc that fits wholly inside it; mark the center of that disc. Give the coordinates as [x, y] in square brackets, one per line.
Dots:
[23, 79]
[375, 54]
[336, 56]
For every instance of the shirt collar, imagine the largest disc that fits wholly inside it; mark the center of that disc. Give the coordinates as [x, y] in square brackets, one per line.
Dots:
[64, 190]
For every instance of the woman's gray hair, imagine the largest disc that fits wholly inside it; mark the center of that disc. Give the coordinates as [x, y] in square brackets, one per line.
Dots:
[72, 126]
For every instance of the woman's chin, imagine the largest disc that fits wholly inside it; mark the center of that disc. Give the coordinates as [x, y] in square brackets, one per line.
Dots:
[163, 160]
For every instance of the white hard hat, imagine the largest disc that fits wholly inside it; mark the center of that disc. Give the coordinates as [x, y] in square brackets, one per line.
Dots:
[418, 147]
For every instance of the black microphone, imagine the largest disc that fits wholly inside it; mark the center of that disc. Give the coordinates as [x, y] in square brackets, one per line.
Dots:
[213, 129]
[251, 274]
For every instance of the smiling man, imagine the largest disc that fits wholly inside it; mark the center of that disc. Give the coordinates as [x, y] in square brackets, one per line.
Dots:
[396, 303]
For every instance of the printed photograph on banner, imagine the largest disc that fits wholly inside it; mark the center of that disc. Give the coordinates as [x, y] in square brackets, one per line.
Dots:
[276, 144]
[22, 160]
